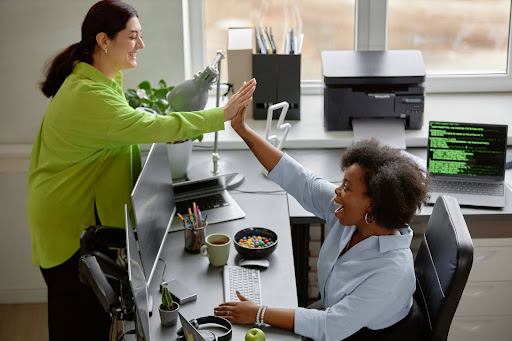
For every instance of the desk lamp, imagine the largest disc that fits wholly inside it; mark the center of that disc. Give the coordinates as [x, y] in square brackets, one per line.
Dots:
[192, 95]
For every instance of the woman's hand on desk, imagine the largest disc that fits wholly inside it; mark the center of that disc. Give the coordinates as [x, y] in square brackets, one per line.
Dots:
[241, 99]
[243, 312]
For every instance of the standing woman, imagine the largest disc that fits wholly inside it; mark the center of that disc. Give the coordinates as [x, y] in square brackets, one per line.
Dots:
[85, 158]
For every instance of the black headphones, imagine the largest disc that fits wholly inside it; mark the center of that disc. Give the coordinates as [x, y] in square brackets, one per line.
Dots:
[219, 321]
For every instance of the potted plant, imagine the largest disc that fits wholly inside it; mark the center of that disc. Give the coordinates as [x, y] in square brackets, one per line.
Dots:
[168, 309]
[154, 99]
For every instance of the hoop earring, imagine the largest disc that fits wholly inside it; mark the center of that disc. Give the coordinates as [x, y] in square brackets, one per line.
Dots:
[106, 51]
[366, 218]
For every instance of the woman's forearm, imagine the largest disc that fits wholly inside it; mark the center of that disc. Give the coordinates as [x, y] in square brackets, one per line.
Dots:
[280, 317]
[265, 152]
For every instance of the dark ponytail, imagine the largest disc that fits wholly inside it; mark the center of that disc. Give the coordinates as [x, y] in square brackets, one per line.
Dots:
[108, 16]
[61, 67]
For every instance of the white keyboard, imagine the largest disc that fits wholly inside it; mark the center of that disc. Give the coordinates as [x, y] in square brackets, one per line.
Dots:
[244, 280]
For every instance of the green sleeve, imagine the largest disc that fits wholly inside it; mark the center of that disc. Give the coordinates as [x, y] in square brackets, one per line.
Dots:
[104, 119]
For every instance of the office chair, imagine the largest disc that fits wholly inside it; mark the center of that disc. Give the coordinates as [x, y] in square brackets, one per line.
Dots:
[442, 266]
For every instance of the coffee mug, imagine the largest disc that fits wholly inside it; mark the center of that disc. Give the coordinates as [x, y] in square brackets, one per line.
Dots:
[217, 249]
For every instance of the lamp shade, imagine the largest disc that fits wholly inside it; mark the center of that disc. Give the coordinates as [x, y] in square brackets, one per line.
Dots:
[192, 94]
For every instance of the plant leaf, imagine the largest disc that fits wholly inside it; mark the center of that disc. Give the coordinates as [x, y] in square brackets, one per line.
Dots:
[156, 108]
[130, 93]
[145, 85]
[161, 93]
[134, 102]
[162, 104]
[162, 84]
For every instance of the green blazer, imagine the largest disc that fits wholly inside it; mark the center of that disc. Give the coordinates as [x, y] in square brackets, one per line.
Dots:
[86, 154]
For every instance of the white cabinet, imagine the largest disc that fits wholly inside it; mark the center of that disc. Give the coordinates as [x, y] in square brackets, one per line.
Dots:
[481, 328]
[485, 309]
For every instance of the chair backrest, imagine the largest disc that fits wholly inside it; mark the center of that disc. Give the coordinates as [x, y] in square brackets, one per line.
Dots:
[442, 266]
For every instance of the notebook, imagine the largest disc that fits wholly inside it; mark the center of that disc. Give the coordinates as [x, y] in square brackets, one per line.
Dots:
[210, 195]
[467, 161]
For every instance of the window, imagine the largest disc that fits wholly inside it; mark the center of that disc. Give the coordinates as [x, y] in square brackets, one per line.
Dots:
[311, 17]
[455, 36]
[465, 43]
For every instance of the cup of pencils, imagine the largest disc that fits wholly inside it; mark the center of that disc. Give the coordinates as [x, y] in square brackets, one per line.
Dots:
[195, 229]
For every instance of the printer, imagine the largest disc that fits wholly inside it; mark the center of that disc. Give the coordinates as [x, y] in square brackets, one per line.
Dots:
[373, 85]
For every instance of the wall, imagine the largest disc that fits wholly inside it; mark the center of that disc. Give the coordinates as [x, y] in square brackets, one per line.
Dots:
[33, 31]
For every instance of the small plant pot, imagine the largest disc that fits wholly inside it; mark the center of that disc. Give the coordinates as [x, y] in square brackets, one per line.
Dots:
[168, 318]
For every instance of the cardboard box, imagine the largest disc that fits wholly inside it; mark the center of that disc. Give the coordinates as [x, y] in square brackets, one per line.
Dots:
[239, 59]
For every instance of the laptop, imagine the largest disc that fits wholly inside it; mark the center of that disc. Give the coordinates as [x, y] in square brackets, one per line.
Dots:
[190, 333]
[212, 197]
[467, 161]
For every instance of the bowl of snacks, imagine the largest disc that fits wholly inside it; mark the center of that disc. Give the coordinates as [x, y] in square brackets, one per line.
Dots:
[255, 242]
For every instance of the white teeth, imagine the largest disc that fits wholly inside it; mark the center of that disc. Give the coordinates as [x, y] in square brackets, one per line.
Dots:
[340, 208]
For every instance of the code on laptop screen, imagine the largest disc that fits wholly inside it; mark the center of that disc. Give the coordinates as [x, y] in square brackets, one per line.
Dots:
[467, 149]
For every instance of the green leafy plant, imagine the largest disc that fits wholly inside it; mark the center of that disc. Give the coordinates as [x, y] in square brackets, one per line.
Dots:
[167, 302]
[148, 97]
[153, 98]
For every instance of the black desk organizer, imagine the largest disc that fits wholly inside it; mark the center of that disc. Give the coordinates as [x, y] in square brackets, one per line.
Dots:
[278, 78]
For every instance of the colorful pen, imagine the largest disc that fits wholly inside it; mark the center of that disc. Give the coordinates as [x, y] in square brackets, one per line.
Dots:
[200, 216]
[195, 213]
[181, 217]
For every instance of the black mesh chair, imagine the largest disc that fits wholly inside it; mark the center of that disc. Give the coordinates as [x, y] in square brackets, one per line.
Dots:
[442, 266]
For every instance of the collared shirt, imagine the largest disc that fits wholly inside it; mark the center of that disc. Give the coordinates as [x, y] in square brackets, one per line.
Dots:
[85, 156]
[371, 285]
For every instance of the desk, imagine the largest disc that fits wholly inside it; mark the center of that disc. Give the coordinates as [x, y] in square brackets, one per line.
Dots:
[482, 223]
[277, 282]
[266, 205]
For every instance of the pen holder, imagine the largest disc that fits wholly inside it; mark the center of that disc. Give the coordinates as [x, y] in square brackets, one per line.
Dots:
[194, 237]
[278, 77]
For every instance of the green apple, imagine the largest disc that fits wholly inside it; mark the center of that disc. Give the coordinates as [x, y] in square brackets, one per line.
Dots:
[255, 334]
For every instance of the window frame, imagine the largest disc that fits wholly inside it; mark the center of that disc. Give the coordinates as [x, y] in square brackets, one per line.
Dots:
[370, 34]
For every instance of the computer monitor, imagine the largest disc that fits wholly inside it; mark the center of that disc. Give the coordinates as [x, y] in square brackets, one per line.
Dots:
[153, 207]
[137, 281]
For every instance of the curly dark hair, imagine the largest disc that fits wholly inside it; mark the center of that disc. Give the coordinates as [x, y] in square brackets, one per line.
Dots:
[397, 185]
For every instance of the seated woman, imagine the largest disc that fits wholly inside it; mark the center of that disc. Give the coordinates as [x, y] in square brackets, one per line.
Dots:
[365, 267]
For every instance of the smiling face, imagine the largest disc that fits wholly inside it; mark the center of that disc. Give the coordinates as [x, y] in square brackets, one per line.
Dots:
[122, 50]
[351, 197]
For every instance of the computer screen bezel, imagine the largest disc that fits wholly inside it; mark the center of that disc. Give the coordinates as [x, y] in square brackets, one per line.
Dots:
[139, 289]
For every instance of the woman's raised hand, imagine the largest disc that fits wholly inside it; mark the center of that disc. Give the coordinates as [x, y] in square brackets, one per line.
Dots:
[241, 99]
[238, 122]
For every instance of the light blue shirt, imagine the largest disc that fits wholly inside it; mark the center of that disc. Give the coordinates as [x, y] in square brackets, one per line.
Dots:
[371, 285]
